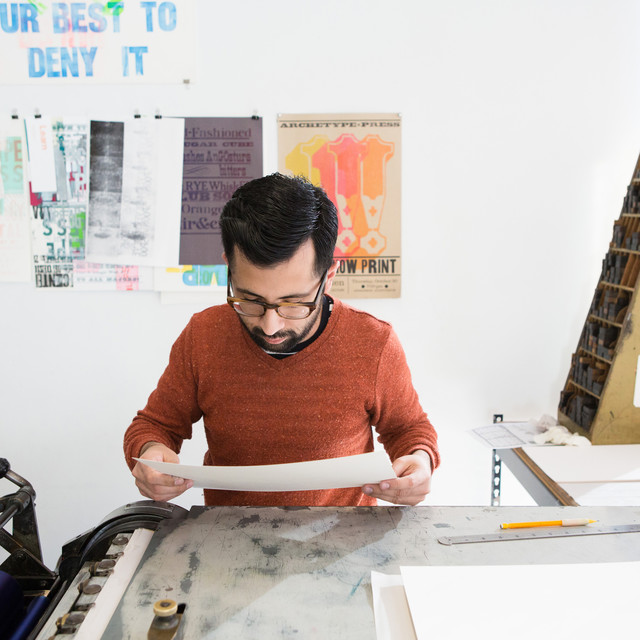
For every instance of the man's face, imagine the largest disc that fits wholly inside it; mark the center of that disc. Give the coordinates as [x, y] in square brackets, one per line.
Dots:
[291, 281]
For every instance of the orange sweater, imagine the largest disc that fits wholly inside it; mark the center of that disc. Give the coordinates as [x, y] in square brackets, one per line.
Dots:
[319, 403]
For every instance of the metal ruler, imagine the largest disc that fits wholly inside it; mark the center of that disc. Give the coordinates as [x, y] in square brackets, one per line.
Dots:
[537, 534]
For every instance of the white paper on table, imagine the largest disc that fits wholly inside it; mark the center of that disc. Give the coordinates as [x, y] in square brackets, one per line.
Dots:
[604, 494]
[453, 602]
[334, 473]
[507, 435]
[598, 463]
[390, 608]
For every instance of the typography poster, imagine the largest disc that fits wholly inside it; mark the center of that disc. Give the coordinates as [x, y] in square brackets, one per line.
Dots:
[356, 159]
[58, 220]
[59, 210]
[45, 43]
[220, 155]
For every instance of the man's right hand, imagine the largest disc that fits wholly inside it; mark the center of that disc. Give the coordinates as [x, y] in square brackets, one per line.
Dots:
[155, 485]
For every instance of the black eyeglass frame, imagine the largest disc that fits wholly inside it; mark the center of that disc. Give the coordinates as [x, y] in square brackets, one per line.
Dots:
[311, 306]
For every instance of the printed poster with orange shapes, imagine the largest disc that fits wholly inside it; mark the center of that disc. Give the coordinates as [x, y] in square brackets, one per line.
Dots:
[356, 159]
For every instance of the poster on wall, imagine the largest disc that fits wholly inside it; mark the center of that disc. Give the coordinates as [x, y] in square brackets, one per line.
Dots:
[220, 155]
[58, 197]
[15, 241]
[58, 217]
[135, 185]
[356, 159]
[114, 41]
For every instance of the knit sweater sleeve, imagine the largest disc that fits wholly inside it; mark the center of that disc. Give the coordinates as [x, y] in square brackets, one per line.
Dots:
[172, 407]
[397, 415]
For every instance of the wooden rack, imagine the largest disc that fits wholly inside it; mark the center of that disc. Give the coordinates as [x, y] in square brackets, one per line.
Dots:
[597, 399]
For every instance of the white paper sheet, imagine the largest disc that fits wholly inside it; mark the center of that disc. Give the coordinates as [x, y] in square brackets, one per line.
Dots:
[334, 473]
[527, 602]
[606, 494]
[598, 463]
[507, 435]
[390, 607]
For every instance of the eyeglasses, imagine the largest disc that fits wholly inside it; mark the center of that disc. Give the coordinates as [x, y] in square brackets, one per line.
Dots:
[288, 310]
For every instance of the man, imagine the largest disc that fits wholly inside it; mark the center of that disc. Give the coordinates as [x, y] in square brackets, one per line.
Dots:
[284, 373]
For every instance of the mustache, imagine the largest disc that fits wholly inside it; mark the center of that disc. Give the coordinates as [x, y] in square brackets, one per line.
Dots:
[257, 331]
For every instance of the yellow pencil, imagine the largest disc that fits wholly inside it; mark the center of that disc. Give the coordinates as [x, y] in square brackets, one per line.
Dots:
[575, 522]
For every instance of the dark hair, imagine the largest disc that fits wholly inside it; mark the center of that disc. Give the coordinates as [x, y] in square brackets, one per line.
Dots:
[269, 218]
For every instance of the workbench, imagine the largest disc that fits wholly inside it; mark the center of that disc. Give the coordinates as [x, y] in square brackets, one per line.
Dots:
[571, 476]
[283, 572]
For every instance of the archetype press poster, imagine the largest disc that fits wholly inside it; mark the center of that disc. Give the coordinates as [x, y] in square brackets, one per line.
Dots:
[356, 159]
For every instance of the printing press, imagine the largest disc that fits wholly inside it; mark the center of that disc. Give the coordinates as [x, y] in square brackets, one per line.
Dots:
[37, 603]
[157, 571]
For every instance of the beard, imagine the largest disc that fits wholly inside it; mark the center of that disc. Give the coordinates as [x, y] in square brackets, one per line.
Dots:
[291, 338]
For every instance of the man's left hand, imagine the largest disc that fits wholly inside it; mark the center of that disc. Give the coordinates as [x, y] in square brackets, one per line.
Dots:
[412, 484]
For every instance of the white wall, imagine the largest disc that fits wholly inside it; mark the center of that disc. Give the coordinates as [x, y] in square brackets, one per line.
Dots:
[520, 134]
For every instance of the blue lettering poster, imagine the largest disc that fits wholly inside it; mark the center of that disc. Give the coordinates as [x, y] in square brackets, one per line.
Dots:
[112, 41]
